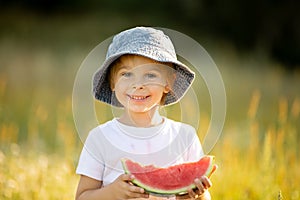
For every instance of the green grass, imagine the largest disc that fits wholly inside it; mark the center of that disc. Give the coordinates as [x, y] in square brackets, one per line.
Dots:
[257, 154]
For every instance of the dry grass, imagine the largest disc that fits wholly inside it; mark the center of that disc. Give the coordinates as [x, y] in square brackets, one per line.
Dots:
[256, 161]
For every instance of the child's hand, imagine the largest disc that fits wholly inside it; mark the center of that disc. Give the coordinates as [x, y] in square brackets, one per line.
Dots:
[123, 188]
[202, 185]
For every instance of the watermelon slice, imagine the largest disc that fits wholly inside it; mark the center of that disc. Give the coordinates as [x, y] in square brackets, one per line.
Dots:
[175, 179]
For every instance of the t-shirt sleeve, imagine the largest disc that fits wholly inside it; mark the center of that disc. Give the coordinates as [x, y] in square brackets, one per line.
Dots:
[90, 162]
[194, 151]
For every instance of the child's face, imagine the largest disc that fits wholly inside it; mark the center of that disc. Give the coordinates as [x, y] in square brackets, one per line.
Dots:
[140, 83]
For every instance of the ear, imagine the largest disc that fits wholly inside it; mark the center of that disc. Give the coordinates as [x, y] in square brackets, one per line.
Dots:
[166, 89]
[170, 82]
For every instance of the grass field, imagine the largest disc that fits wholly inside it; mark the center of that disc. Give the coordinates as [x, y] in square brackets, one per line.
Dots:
[257, 153]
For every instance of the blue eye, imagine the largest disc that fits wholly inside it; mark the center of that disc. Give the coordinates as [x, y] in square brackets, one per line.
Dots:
[151, 75]
[126, 74]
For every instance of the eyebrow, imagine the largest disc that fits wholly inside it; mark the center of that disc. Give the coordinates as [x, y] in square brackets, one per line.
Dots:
[121, 67]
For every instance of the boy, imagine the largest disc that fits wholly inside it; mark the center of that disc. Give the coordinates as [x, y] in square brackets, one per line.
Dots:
[140, 74]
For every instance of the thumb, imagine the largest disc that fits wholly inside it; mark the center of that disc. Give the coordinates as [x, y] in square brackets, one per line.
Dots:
[126, 177]
[214, 168]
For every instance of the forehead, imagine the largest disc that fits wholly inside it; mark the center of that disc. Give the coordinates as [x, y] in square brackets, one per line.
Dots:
[132, 61]
[135, 60]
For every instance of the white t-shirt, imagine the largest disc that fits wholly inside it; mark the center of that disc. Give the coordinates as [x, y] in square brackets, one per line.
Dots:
[166, 144]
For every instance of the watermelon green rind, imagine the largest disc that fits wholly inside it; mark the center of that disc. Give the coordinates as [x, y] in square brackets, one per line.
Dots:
[180, 190]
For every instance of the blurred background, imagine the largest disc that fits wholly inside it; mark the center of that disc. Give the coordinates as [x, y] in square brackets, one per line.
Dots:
[255, 45]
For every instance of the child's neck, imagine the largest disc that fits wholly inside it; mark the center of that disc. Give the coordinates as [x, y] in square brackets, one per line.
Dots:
[147, 119]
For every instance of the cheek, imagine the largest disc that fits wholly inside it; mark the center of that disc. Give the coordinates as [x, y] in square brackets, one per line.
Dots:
[113, 83]
[159, 91]
[120, 87]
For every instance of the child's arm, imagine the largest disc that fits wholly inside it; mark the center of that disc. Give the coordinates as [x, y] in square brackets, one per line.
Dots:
[121, 188]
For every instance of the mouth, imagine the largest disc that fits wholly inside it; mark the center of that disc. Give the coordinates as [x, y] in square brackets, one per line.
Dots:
[138, 97]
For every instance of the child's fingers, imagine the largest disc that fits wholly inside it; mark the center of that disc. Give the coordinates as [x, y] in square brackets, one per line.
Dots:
[135, 189]
[200, 186]
[191, 193]
[137, 195]
[214, 168]
[136, 192]
[126, 177]
[205, 182]
[132, 190]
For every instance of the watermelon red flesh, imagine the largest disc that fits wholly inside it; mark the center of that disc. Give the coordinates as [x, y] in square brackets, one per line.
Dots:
[172, 180]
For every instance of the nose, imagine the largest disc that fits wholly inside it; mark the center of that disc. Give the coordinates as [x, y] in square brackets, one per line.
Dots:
[138, 85]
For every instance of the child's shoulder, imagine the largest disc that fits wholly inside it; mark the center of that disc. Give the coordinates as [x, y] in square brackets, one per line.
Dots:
[100, 132]
[104, 127]
[179, 125]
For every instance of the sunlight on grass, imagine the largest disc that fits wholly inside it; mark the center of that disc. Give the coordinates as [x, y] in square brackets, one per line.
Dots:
[268, 167]
[35, 176]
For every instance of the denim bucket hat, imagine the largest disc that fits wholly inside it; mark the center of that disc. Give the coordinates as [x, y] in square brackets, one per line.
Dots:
[147, 42]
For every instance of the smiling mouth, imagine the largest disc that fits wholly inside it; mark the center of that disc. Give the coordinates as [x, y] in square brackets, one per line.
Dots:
[138, 98]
